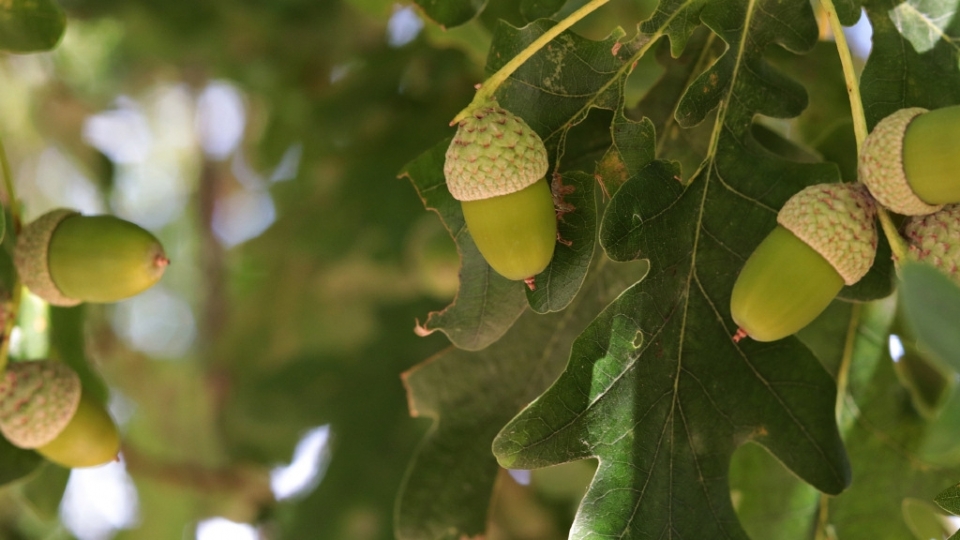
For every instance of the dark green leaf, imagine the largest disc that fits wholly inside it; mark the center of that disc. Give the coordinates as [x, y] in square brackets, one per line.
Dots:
[470, 395]
[848, 11]
[931, 303]
[656, 389]
[31, 25]
[949, 499]
[900, 73]
[539, 9]
[450, 13]
[67, 343]
[487, 304]
[15, 463]
[577, 229]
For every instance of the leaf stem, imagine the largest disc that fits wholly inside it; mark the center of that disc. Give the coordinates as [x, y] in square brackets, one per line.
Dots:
[10, 314]
[486, 90]
[860, 120]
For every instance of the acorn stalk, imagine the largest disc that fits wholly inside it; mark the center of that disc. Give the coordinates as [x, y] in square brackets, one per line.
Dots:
[496, 167]
[826, 237]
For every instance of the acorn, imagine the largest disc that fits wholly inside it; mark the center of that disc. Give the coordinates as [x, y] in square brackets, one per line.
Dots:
[826, 237]
[67, 258]
[496, 167]
[43, 407]
[935, 239]
[909, 161]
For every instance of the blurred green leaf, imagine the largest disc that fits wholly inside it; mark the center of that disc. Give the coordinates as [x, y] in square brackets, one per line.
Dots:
[931, 303]
[924, 520]
[31, 25]
[15, 463]
[885, 438]
[770, 501]
[44, 490]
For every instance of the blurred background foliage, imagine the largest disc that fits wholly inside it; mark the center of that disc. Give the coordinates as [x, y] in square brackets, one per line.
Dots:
[261, 142]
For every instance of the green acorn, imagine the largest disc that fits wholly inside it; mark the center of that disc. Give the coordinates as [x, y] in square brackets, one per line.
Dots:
[66, 258]
[935, 239]
[826, 237]
[911, 158]
[496, 167]
[88, 440]
[37, 400]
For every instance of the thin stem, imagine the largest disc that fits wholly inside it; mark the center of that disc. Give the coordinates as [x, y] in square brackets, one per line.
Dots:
[843, 374]
[860, 120]
[10, 189]
[486, 90]
[11, 315]
[849, 73]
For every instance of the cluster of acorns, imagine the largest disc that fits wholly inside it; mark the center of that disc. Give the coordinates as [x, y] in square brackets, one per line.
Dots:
[66, 258]
[826, 235]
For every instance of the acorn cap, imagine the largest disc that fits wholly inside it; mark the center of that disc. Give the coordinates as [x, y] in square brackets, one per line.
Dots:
[836, 220]
[935, 239]
[30, 257]
[493, 153]
[37, 401]
[881, 165]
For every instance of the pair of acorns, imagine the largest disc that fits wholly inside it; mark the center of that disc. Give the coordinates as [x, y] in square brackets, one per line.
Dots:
[826, 234]
[66, 258]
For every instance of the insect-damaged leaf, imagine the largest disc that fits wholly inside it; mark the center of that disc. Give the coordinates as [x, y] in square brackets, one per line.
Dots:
[656, 389]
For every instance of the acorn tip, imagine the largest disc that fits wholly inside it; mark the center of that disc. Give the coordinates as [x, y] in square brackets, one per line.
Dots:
[741, 333]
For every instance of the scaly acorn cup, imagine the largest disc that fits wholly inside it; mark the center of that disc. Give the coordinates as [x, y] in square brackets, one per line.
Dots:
[935, 239]
[911, 158]
[826, 236]
[66, 258]
[90, 438]
[37, 400]
[496, 167]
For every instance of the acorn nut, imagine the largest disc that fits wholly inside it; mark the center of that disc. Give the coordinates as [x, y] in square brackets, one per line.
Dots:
[89, 439]
[935, 239]
[910, 160]
[496, 167]
[826, 237]
[66, 258]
